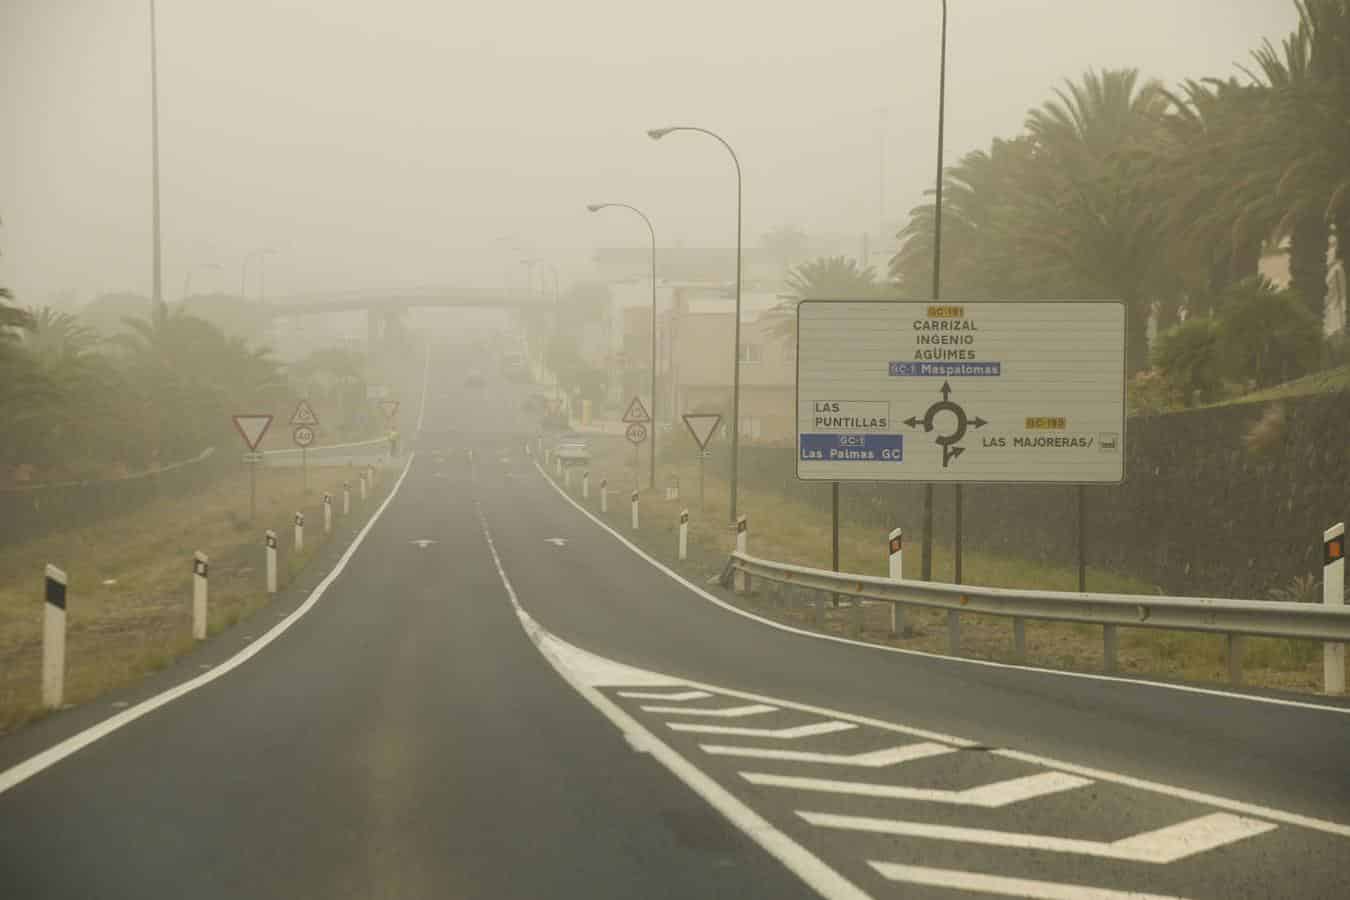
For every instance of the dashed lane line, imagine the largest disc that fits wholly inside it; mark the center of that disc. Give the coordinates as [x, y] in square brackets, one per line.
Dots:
[727, 712]
[1161, 846]
[989, 796]
[954, 879]
[872, 759]
[782, 734]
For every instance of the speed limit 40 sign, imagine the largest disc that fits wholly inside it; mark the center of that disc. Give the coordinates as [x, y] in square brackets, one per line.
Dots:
[303, 436]
[636, 433]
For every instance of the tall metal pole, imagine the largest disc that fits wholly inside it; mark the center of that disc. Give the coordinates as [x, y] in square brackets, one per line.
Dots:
[158, 309]
[596, 207]
[656, 134]
[927, 560]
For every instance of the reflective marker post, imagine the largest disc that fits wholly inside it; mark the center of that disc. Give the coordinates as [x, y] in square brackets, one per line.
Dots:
[199, 569]
[896, 572]
[1333, 594]
[270, 542]
[54, 638]
[742, 583]
[635, 510]
[327, 513]
[604, 495]
[585, 485]
[684, 534]
[299, 532]
[346, 498]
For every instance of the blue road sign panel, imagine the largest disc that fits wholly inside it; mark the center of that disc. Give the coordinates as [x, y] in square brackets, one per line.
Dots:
[852, 447]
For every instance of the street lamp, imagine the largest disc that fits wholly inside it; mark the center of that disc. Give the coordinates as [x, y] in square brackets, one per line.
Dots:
[159, 310]
[656, 134]
[596, 207]
[187, 279]
[927, 557]
[243, 270]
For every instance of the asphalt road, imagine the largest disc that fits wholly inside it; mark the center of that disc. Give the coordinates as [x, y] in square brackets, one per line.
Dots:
[498, 698]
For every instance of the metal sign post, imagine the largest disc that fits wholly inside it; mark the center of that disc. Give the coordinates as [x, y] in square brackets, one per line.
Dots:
[702, 426]
[252, 427]
[305, 421]
[636, 434]
[636, 416]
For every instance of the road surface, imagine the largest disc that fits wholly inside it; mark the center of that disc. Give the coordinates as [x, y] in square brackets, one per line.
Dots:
[496, 697]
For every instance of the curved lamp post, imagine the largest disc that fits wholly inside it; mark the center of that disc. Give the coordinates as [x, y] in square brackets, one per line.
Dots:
[656, 134]
[596, 207]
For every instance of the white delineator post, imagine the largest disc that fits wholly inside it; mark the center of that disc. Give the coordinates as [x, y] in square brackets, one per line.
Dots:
[567, 478]
[54, 639]
[742, 581]
[346, 498]
[1333, 594]
[604, 495]
[270, 542]
[363, 486]
[684, 534]
[327, 513]
[635, 510]
[199, 570]
[896, 572]
[299, 532]
[585, 485]
[557, 465]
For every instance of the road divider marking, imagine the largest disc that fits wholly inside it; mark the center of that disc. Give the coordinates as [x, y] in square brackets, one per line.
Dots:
[782, 734]
[954, 879]
[872, 759]
[669, 698]
[989, 796]
[726, 712]
[1164, 845]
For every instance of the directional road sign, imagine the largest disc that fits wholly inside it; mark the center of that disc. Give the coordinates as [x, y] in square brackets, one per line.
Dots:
[252, 427]
[304, 414]
[389, 408]
[636, 433]
[702, 426]
[303, 435]
[1004, 391]
[636, 412]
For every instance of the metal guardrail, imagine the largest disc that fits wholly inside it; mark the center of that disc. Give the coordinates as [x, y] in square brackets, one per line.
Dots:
[1234, 618]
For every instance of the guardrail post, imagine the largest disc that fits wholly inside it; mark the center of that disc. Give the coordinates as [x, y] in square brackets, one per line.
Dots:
[299, 532]
[1019, 639]
[953, 632]
[327, 513]
[585, 485]
[896, 572]
[604, 495]
[742, 580]
[684, 535]
[1110, 647]
[635, 510]
[200, 565]
[1333, 594]
[346, 498]
[1235, 643]
[54, 638]
[270, 542]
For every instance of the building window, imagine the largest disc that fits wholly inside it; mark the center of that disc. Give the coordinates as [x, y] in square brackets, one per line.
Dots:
[752, 353]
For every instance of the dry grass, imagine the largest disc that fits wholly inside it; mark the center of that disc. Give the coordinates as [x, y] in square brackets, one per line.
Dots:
[792, 531]
[129, 603]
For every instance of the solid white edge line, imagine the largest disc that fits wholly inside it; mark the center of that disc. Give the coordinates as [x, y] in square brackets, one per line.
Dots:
[955, 879]
[796, 858]
[961, 660]
[25, 770]
[1274, 815]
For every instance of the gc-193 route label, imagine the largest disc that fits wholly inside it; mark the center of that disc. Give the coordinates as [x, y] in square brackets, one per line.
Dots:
[981, 391]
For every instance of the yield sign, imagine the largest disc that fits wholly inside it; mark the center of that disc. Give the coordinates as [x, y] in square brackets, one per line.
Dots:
[389, 408]
[702, 426]
[304, 414]
[252, 427]
[636, 412]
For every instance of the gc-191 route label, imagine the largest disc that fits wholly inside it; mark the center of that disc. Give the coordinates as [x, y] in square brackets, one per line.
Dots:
[981, 391]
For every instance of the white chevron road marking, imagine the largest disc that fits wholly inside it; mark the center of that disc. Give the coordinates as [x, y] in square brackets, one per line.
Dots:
[726, 712]
[872, 759]
[955, 879]
[669, 698]
[782, 734]
[989, 796]
[1165, 845]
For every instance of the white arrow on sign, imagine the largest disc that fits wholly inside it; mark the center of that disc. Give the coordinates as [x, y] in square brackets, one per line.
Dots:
[557, 542]
[252, 427]
[422, 543]
[702, 426]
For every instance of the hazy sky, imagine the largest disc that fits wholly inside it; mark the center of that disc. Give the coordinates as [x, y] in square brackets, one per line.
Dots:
[394, 143]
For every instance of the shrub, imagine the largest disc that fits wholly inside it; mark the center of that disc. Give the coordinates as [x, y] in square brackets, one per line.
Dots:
[1187, 356]
[1266, 335]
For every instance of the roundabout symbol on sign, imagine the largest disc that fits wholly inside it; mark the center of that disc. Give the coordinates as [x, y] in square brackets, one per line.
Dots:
[303, 435]
[636, 433]
[948, 441]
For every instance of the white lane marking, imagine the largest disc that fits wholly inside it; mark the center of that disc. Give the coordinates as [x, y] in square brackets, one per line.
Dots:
[577, 668]
[52, 755]
[954, 660]
[1165, 845]
[782, 734]
[989, 796]
[955, 879]
[1276, 815]
[671, 698]
[872, 759]
[726, 712]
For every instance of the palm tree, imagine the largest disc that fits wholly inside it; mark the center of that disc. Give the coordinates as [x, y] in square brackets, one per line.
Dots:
[824, 278]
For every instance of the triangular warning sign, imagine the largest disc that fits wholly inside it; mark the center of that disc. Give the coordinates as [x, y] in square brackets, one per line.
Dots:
[636, 412]
[304, 414]
[389, 408]
[702, 426]
[252, 427]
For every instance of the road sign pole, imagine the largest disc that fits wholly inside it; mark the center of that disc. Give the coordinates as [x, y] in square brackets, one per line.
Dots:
[834, 531]
[252, 491]
[959, 502]
[304, 469]
[701, 504]
[1082, 539]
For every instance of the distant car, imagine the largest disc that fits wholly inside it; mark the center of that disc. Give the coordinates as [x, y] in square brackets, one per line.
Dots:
[572, 449]
[474, 379]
